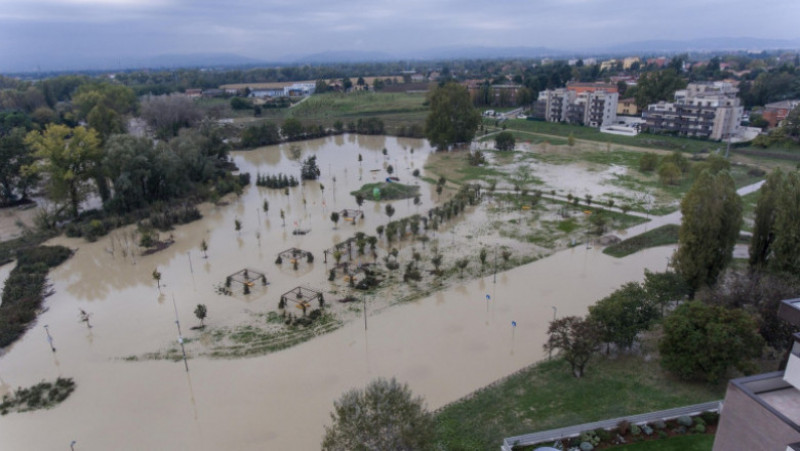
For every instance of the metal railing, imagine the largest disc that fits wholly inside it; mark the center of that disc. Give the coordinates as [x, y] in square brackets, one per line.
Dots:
[573, 431]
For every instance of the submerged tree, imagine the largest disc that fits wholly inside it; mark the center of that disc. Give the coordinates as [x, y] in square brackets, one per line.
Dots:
[310, 171]
[157, 278]
[200, 312]
[70, 157]
[452, 119]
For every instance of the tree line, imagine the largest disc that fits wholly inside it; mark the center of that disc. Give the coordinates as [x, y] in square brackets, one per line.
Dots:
[714, 318]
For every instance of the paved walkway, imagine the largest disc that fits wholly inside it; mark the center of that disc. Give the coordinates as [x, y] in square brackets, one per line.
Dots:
[675, 217]
[574, 431]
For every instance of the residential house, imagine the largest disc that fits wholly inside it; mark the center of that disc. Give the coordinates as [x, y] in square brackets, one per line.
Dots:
[193, 93]
[776, 112]
[609, 64]
[627, 107]
[628, 62]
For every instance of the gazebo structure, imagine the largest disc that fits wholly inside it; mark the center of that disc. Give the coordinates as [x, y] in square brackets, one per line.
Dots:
[294, 256]
[302, 298]
[346, 248]
[349, 215]
[247, 278]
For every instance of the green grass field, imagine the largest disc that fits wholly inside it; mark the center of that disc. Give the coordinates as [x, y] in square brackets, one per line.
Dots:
[394, 109]
[546, 396]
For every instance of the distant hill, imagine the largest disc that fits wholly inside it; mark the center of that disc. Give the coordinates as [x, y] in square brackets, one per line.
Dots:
[72, 62]
[699, 45]
[197, 60]
[342, 56]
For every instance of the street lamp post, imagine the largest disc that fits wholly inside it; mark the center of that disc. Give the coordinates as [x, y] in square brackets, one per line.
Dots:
[49, 338]
[550, 350]
[495, 264]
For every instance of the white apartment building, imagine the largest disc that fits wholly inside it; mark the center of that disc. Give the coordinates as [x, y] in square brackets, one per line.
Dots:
[703, 110]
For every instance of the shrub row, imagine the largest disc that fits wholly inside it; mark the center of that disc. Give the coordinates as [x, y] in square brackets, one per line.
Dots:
[25, 289]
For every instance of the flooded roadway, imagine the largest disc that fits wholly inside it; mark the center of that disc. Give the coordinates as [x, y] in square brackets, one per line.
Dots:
[444, 346]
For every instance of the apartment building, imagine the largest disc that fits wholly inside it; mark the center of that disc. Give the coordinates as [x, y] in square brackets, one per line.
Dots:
[708, 110]
[591, 104]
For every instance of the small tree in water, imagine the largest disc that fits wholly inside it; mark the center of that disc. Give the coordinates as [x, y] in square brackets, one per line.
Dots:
[200, 312]
[310, 171]
[204, 248]
[157, 278]
[335, 219]
[482, 257]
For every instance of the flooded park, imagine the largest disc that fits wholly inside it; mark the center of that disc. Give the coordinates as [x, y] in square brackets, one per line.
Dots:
[248, 386]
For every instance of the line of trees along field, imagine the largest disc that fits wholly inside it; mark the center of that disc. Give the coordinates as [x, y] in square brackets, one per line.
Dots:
[714, 318]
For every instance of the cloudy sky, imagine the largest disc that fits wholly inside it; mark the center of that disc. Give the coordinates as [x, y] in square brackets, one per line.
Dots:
[49, 33]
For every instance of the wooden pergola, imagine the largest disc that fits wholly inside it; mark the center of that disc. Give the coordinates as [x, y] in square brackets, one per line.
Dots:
[247, 278]
[349, 215]
[346, 247]
[295, 256]
[302, 297]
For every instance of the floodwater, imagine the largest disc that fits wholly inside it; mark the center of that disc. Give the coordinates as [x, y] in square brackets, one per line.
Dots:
[444, 346]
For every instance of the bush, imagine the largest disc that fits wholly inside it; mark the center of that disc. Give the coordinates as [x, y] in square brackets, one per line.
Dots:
[648, 162]
[659, 425]
[635, 429]
[602, 434]
[623, 427]
[698, 420]
[699, 429]
[24, 289]
[647, 430]
[586, 446]
[662, 434]
[685, 420]
[710, 417]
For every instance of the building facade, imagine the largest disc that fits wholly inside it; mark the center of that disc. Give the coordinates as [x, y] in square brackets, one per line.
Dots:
[776, 112]
[708, 110]
[591, 104]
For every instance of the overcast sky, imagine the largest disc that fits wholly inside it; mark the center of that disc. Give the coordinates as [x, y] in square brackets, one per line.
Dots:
[50, 32]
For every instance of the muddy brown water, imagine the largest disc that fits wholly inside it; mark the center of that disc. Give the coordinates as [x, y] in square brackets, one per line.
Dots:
[444, 346]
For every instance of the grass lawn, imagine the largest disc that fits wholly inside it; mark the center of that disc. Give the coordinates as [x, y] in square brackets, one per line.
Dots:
[394, 109]
[660, 236]
[642, 140]
[389, 191]
[546, 396]
[699, 442]
[455, 167]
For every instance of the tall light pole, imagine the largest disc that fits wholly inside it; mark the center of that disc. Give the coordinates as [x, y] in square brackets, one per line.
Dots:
[495, 264]
[49, 338]
[180, 335]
